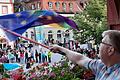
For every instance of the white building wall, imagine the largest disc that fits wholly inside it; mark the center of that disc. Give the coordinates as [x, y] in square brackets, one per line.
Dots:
[9, 4]
[54, 30]
[10, 10]
[6, 1]
[45, 31]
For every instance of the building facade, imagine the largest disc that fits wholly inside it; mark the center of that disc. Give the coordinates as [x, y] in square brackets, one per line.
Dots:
[59, 6]
[6, 7]
[47, 33]
[41, 33]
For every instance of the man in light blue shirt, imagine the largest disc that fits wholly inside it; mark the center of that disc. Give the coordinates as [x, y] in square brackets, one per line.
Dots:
[108, 67]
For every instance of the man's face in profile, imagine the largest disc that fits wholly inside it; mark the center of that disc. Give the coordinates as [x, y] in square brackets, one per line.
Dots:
[104, 49]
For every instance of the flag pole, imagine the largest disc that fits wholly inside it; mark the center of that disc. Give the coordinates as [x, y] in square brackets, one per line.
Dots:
[16, 34]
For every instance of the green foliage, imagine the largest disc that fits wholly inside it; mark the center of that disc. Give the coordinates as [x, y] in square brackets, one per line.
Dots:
[92, 21]
[5, 75]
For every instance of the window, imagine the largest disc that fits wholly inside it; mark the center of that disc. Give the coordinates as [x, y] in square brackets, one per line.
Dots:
[50, 32]
[26, 34]
[64, 6]
[71, 6]
[19, 9]
[50, 4]
[67, 34]
[38, 5]
[57, 5]
[4, 9]
[59, 35]
[23, 9]
[33, 6]
[50, 35]
[32, 35]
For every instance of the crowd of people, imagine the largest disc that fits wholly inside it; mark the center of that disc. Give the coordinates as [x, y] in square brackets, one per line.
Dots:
[24, 54]
[28, 55]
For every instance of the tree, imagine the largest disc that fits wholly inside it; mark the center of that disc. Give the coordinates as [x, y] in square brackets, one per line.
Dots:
[92, 21]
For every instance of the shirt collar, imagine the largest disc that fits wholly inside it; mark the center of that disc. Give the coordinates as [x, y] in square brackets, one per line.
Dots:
[112, 68]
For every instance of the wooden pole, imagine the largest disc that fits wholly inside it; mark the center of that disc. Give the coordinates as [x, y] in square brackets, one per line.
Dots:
[16, 34]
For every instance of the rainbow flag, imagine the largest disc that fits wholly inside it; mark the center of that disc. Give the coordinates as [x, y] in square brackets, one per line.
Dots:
[21, 21]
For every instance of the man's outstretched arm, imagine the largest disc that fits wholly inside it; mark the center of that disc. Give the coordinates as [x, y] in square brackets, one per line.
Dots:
[73, 56]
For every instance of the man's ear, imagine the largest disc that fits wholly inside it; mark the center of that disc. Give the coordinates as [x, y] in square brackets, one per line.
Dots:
[111, 51]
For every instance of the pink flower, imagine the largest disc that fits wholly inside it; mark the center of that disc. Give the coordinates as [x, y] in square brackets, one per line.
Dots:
[62, 73]
[54, 65]
[33, 75]
[52, 74]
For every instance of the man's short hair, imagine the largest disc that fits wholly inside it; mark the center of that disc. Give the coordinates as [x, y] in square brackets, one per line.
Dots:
[114, 38]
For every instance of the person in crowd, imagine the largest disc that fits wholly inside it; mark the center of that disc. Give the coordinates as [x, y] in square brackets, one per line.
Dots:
[21, 57]
[11, 57]
[32, 54]
[43, 56]
[16, 55]
[36, 56]
[28, 64]
[49, 56]
[40, 55]
[29, 55]
[4, 59]
[46, 56]
[18, 52]
[93, 53]
[26, 56]
[105, 68]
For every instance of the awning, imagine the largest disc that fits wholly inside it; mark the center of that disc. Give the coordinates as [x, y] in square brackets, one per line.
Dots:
[11, 66]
